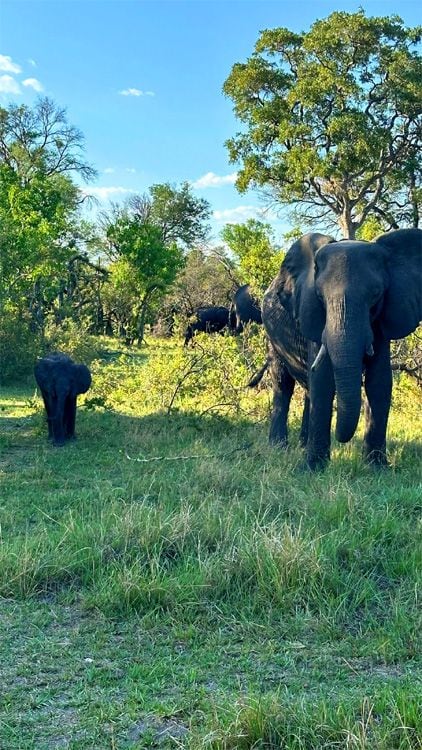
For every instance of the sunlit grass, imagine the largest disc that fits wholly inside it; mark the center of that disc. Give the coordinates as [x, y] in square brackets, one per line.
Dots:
[295, 597]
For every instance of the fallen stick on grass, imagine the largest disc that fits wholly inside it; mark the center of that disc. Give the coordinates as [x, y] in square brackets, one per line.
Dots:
[186, 458]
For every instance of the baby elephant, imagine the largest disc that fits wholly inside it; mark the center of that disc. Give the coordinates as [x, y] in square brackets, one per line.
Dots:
[60, 381]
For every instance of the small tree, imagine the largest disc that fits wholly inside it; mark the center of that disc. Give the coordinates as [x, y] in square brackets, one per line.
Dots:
[147, 238]
[332, 120]
[205, 279]
[144, 264]
[252, 244]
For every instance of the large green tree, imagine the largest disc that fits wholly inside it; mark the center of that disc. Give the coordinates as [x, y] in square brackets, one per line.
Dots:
[331, 120]
[40, 154]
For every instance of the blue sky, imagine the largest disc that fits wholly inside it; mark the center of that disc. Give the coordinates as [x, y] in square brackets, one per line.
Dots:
[143, 80]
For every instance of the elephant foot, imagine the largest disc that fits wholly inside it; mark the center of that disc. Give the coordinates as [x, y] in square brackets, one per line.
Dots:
[58, 444]
[376, 458]
[278, 442]
[316, 463]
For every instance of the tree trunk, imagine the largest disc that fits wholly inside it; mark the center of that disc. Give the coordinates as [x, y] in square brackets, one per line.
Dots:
[348, 226]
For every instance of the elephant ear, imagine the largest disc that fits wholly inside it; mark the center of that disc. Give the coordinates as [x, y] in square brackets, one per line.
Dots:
[402, 309]
[82, 378]
[296, 285]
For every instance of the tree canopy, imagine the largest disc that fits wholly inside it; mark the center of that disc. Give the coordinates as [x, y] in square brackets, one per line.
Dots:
[331, 120]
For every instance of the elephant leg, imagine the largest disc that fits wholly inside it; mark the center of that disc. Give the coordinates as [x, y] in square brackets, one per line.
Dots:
[283, 386]
[378, 385]
[304, 429]
[57, 421]
[70, 417]
[188, 335]
[321, 396]
[49, 411]
[239, 324]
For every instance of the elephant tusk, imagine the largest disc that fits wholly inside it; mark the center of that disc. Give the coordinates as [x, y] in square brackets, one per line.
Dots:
[319, 357]
[370, 350]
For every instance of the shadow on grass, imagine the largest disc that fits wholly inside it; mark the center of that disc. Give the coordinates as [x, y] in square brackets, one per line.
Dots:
[170, 435]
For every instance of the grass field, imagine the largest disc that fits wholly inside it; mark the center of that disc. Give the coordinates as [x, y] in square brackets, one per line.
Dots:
[223, 599]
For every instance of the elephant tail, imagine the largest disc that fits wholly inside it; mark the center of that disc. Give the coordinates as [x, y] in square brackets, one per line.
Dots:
[256, 379]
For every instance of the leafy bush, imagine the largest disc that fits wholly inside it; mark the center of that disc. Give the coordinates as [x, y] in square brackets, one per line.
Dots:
[210, 376]
[19, 347]
[72, 339]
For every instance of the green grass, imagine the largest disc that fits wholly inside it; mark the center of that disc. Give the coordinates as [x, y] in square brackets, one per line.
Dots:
[226, 601]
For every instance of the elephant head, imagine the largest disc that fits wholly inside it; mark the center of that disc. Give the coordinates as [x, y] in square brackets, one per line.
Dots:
[343, 294]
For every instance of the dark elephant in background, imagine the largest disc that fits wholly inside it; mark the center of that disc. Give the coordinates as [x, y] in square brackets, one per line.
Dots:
[348, 300]
[207, 320]
[60, 381]
[245, 308]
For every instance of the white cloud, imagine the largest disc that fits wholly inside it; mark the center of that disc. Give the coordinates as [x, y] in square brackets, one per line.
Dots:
[240, 213]
[214, 180]
[33, 83]
[8, 85]
[131, 170]
[109, 170]
[104, 193]
[7, 64]
[135, 92]
[32, 62]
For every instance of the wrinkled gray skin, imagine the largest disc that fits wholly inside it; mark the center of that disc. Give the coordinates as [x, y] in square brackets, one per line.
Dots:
[208, 320]
[287, 365]
[352, 297]
[60, 381]
[244, 309]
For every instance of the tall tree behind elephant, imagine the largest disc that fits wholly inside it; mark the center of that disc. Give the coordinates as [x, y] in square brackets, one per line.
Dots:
[349, 299]
[205, 279]
[244, 309]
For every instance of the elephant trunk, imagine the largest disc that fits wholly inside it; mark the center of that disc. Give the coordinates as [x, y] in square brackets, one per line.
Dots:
[347, 338]
[348, 388]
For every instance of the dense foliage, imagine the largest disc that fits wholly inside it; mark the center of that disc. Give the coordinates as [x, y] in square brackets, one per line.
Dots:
[253, 246]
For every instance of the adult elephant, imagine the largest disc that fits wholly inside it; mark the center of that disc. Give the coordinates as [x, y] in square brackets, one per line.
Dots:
[287, 366]
[245, 308]
[207, 320]
[348, 299]
[60, 381]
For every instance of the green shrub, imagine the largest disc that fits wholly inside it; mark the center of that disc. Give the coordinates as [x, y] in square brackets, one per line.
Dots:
[72, 339]
[19, 347]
